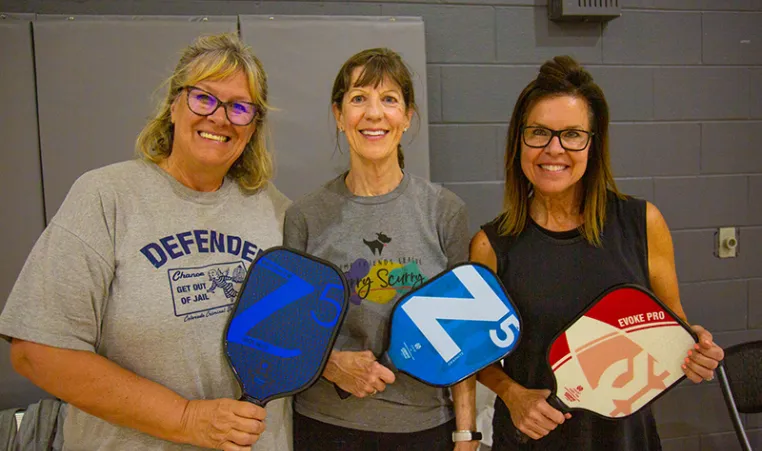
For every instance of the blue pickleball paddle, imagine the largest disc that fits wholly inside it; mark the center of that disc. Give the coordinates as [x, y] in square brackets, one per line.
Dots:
[284, 324]
[449, 328]
[456, 324]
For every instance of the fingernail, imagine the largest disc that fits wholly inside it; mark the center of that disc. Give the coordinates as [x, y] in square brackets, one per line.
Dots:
[690, 352]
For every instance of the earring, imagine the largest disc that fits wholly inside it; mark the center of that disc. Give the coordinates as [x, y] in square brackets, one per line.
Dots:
[403, 131]
[341, 130]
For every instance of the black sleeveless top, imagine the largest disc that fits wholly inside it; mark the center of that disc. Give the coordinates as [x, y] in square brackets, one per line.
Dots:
[552, 277]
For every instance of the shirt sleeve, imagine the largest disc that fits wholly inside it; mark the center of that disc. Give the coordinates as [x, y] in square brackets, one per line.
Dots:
[59, 297]
[280, 204]
[295, 232]
[452, 224]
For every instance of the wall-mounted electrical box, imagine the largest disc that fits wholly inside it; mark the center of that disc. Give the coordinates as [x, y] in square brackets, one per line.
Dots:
[726, 242]
[583, 10]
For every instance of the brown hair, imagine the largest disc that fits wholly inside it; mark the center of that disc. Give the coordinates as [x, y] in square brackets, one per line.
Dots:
[558, 77]
[215, 57]
[377, 65]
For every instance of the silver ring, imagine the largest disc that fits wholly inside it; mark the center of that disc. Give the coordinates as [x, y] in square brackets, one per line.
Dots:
[374, 393]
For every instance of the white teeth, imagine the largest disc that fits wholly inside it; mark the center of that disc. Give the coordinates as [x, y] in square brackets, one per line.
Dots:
[553, 167]
[213, 137]
[373, 132]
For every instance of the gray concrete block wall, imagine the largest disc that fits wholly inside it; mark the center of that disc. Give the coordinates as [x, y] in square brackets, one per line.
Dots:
[732, 38]
[642, 187]
[755, 76]
[755, 308]
[656, 149]
[653, 37]
[725, 147]
[684, 83]
[723, 304]
[755, 199]
[629, 91]
[695, 93]
[454, 34]
[711, 201]
[517, 26]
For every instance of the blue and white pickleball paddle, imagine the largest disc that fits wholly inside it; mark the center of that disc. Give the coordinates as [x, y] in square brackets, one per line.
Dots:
[449, 328]
[285, 322]
[456, 324]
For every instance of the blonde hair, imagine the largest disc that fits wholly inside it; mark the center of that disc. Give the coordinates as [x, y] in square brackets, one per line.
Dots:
[558, 77]
[215, 57]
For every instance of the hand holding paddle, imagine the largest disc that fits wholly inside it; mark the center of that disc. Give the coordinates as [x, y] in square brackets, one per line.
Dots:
[358, 373]
[223, 423]
[531, 411]
[703, 359]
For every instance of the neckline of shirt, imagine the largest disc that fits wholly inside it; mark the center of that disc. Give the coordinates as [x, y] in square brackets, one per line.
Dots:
[341, 187]
[566, 236]
[191, 195]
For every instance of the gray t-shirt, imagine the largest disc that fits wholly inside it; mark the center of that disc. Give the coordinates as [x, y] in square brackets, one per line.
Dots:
[385, 245]
[144, 271]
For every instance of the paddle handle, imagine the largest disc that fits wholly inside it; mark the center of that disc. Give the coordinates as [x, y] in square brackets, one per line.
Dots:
[554, 403]
[343, 394]
[254, 401]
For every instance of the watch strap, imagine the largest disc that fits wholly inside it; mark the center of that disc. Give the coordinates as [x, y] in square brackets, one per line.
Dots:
[466, 436]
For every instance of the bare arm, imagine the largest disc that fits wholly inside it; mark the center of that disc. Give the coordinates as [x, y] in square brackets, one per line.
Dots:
[102, 388]
[493, 377]
[530, 412]
[464, 399]
[701, 361]
[661, 261]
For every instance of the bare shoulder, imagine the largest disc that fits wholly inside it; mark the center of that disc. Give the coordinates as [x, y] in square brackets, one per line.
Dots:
[654, 218]
[656, 226]
[481, 250]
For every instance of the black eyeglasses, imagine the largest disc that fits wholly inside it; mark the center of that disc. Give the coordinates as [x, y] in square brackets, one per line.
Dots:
[205, 103]
[571, 139]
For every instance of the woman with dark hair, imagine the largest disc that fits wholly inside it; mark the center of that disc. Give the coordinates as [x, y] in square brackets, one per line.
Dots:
[565, 235]
[389, 231]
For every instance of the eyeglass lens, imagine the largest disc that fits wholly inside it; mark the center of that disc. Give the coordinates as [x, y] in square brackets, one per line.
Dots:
[205, 104]
[571, 139]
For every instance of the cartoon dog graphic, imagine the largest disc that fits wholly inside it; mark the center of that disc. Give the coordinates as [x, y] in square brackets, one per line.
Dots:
[378, 244]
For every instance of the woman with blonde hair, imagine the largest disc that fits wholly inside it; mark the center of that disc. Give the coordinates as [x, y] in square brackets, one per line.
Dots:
[114, 310]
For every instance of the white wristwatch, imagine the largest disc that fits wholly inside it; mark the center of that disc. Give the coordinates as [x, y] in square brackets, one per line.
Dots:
[466, 436]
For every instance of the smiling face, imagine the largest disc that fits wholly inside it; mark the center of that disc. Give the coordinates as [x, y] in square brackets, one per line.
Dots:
[552, 170]
[373, 118]
[210, 144]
